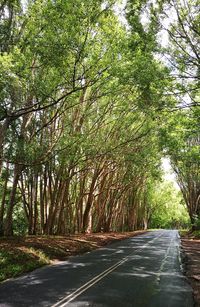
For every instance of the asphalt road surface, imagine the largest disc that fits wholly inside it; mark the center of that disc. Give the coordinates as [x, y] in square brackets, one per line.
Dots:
[143, 271]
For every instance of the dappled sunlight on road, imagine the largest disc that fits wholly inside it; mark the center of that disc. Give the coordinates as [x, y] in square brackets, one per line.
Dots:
[140, 271]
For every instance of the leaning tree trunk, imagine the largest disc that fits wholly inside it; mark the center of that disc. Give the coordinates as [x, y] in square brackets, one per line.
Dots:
[89, 201]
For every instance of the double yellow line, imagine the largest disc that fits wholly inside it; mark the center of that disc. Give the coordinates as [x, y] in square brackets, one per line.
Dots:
[70, 297]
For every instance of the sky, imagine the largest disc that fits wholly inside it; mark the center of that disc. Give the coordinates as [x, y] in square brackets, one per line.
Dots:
[119, 9]
[163, 36]
[169, 175]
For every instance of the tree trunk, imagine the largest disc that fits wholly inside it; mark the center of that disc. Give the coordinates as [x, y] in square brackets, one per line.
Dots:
[3, 128]
[2, 208]
[8, 227]
[89, 202]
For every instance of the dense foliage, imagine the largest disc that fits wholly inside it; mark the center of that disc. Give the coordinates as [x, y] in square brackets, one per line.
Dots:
[167, 209]
[88, 107]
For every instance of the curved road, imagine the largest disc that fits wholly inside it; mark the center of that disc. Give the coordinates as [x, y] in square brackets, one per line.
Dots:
[143, 271]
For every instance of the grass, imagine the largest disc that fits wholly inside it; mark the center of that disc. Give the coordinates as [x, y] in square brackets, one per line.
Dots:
[183, 232]
[188, 233]
[196, 234]
[15, 261]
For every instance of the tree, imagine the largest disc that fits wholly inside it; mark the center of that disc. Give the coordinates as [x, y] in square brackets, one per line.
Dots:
[82, 105]
[166, 208]
[182, 145]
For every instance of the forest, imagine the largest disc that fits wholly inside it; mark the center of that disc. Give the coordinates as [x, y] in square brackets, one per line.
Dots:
[93, 95]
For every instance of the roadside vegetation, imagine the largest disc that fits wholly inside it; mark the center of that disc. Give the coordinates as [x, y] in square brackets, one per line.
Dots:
[190, 240]
[17, 260]
[191, 234]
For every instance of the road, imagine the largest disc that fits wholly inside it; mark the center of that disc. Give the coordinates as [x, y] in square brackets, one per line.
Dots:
[142, 271]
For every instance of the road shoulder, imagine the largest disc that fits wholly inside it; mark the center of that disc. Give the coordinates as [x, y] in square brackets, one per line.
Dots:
[191, 248]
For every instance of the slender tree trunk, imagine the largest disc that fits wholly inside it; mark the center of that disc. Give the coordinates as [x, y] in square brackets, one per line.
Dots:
[35, 204]
[64, 200]
[8, 227]
[3, 128]
[2, 208]
[89, 202]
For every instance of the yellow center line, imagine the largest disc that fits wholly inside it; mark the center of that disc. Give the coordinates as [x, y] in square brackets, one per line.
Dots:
[67, 299]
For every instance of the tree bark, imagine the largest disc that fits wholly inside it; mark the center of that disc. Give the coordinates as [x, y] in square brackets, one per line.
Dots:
[8, 226]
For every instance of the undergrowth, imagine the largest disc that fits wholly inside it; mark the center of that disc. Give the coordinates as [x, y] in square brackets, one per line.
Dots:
[15, 261]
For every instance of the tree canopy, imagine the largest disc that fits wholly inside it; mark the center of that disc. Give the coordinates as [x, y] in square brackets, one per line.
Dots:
[89, 106]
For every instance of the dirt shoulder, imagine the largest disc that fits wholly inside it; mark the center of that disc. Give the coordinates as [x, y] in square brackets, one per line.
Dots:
[23, 254]
[191, 247]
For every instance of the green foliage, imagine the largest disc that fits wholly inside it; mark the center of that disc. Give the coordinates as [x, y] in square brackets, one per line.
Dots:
[180, 140]
[196, 222]
[14, 262]
[84, 107]
[20, 223]
[168, 210]
[196, 234]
